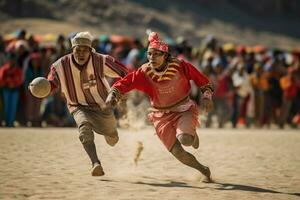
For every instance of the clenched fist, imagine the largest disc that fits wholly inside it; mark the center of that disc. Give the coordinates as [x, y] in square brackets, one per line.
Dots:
[111, 100]
[208, 104]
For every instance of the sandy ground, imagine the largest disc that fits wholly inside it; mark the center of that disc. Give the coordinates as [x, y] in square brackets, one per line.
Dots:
[246, 164]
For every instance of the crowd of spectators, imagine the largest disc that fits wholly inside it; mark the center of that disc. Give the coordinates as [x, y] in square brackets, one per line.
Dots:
[254, 85]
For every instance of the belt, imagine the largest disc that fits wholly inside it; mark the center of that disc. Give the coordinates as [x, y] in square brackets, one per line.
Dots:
[182, 101]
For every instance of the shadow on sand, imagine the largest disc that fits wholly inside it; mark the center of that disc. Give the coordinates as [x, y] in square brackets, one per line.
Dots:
[219, 186]
[170, 184]
[232, 186]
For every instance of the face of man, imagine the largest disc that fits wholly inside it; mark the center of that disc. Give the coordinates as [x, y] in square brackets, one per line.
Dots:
[156, 58]
[81, 54]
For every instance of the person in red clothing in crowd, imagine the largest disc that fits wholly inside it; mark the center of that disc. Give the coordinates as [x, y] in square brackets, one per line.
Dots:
[290, 84]
[11, 79]
[166, 80]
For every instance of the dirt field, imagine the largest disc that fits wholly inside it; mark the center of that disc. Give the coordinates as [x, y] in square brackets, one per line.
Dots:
[246, 164]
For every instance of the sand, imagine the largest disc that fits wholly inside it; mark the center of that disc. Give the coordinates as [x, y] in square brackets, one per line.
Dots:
[50, 163]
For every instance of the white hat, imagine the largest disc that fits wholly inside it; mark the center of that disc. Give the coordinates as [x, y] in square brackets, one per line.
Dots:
[82, 39]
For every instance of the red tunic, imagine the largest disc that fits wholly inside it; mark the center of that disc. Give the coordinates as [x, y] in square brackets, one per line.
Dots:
[166, 89]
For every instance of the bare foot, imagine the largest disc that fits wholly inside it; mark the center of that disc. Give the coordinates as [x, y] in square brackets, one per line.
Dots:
[207, 175]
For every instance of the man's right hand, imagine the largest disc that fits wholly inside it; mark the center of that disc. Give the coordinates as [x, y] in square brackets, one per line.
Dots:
[111, 100]
[208, 104]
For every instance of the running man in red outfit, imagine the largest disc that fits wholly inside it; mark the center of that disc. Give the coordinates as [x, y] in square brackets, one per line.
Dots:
[166, 80]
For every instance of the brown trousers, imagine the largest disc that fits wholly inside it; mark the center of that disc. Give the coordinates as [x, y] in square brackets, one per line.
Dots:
[91, 119]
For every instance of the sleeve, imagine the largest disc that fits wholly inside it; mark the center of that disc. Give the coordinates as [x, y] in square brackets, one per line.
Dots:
[133, 80]
[114, 68]
[194, 74]
[54, 79]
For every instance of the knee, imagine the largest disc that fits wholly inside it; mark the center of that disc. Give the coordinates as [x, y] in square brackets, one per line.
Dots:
[85, 133]
[112, 141]
[185, 139]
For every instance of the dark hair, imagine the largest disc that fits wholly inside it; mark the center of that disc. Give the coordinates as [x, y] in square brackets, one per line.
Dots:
[169, 57]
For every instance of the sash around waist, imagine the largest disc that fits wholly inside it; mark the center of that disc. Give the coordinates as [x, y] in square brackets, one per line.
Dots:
[171, 107]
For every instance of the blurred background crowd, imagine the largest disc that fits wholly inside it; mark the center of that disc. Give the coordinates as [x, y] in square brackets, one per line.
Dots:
[255, 86]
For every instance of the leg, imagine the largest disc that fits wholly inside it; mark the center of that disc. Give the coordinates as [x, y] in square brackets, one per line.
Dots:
[235, 112]
[104, 123]
[186, 128]
[14, 105]
[189, 160]
[86, 137]
[185, 139]
[6, 105]
[188, 140]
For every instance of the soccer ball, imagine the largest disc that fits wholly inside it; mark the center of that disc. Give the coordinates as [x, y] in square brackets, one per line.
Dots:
[40, 87]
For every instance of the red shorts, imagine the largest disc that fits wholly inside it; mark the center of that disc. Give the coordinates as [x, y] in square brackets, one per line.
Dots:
[169, 125]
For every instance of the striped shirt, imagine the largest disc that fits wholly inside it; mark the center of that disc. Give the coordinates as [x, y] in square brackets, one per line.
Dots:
[87, 85]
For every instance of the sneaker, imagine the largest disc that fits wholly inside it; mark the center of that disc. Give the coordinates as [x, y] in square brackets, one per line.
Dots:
[196, 142]
[112, 141]
[97, 170]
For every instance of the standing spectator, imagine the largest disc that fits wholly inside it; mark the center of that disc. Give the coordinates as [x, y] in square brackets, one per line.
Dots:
[45, 60]
[242, 93]
[260, 85]
[60, 48]
[274, 70]
[32, 110]
[290, 86]
[11, 78]
[222, 84]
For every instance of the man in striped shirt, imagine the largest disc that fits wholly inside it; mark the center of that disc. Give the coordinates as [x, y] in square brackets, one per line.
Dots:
[81, 78]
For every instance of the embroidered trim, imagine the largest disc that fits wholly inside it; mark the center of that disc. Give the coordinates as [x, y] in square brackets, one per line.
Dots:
[167, 75]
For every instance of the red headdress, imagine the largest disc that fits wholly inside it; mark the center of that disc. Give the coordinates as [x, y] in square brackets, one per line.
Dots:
[156, 43]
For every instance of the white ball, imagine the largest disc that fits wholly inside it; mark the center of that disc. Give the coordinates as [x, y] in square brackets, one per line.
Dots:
[40, 87]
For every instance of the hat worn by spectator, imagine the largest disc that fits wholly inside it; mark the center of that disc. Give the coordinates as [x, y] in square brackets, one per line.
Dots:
[156, 43]
[82, 39]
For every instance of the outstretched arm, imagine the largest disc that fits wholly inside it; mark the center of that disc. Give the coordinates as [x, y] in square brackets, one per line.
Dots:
[54, 80]
[114, 68]
[133, 80]
[202, 82]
